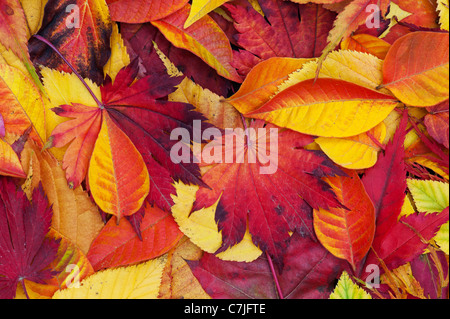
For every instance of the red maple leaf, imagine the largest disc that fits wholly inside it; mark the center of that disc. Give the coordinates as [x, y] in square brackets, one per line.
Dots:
[275, 202]
[25, 252]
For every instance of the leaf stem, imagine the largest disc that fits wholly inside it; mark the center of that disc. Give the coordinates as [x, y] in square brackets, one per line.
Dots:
[24, 289]
[42, 39]
[275, 278]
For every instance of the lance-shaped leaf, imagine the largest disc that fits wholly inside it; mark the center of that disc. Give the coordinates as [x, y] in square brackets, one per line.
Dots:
[81, 31]
[25, 252]
[291, 30]
[200, 8]
[118, 176]
[327, 108]
[347, 233]
[132, 11]
[204, 38]
[416, 76]
[310, 272]
[140, 281]
[385, 183]
[278, 193]
[119, 245]
[140, 39]
[367, 43]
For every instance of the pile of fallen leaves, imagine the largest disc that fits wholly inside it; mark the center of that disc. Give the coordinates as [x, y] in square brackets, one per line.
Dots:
[92, 204]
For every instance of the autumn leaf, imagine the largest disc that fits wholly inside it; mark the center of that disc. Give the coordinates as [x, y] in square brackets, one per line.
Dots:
[112, 247]
[327, 108]
[9, 161]
[415, 76]
[25, 252]
[347, 233]
[13, 28]
[271, 205]
[132, 282]
[437, 123]
[291, 30]
[347, 289]
[83, 37]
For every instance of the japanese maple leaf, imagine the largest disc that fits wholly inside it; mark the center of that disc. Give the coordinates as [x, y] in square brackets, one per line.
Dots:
[25, 252]
[137, 115]
[273, 192]
[291, 30]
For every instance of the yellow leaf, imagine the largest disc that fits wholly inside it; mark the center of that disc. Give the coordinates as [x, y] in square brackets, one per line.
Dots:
[219, 112]
[21, 103]
[140, 281]
[201, 227]
[119, 55]
[9, 161]
[357, 152]
[357, 67]
[64, 89]
[441, 238]
[75, 216]
[429, 196]
[8, 57]
[200, 8]
[442, 7]
[118, 177]
[327, 108]
[347, 289]
[34, 13]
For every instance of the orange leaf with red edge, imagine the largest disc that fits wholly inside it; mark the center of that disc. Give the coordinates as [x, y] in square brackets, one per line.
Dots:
[368, 44]
[119, 245]
[13, 28]
[437, 123]
[347, 233]
[416, 69]
[204, 38]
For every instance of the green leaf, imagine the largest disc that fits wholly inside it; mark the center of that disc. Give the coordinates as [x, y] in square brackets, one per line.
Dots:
[429, 196]
[347, 289]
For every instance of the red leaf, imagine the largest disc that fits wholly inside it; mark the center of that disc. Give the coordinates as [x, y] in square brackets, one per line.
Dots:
[309, 272]
[119, 245]
[25, 253]
[404, 241]
[385, 183]
[291, 30]
[273, 204]
[437, 123]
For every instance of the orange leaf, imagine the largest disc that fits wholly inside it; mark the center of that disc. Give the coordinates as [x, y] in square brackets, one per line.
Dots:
[119, 245]
[13, 28]
[347, 234]
[416, 68]
[118, 176]
[204, 38]
[368, 44]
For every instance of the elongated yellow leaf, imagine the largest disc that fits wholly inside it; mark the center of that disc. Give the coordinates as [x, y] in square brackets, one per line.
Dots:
[441, 238]
[347, 289]
[34, 13]
[327, 108]
[118, 176]
[442, 7]
[200, 8]
[134, 282]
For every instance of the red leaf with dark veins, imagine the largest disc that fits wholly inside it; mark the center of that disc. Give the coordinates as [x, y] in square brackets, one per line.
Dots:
[273, 203]
[25, 252]
[291, 30]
